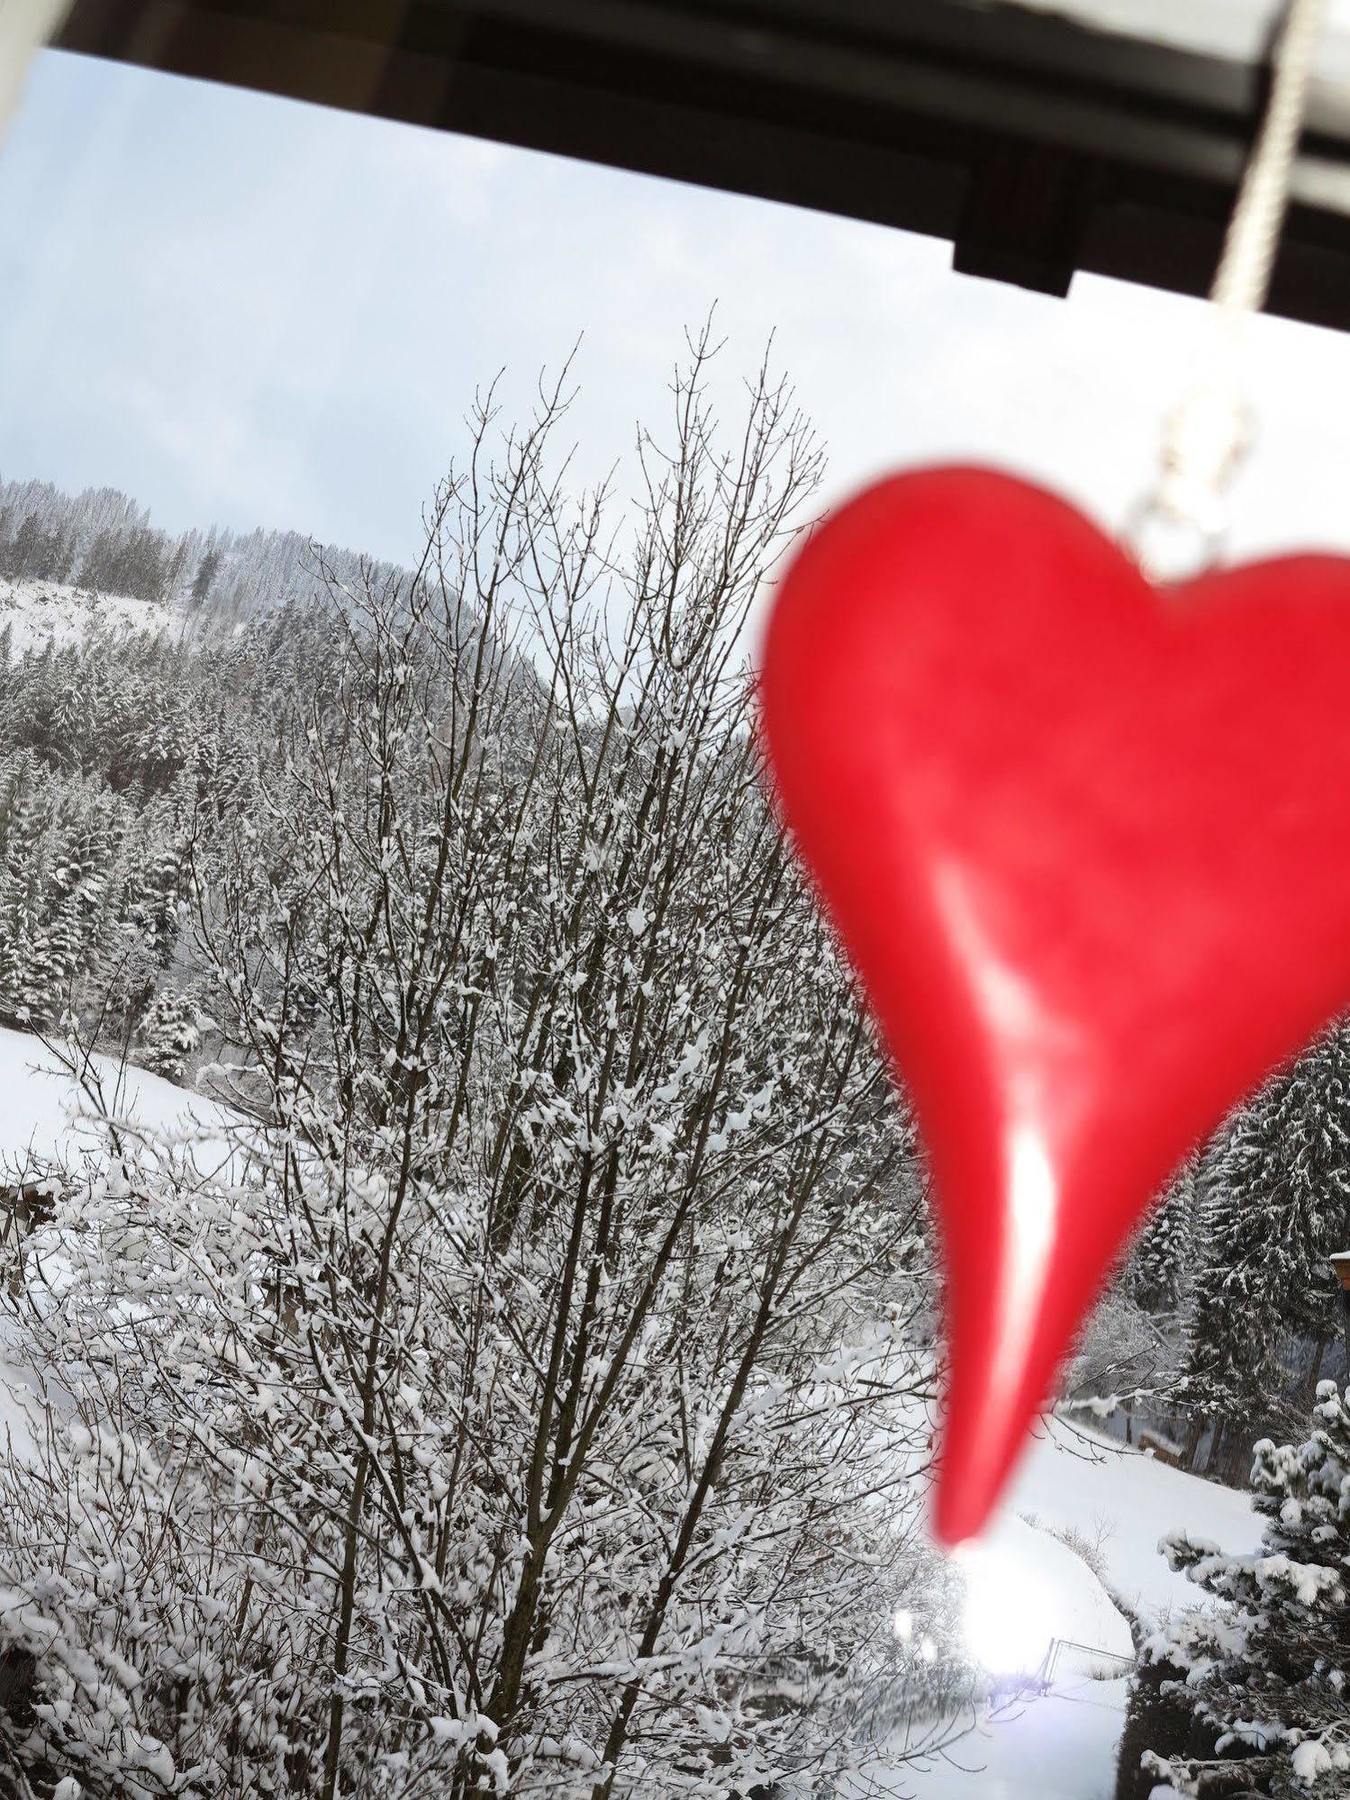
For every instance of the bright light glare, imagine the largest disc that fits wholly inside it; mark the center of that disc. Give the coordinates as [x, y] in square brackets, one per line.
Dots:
[1007, 1619]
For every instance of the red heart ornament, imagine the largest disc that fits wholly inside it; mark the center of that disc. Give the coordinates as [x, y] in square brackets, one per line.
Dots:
[1087, 844]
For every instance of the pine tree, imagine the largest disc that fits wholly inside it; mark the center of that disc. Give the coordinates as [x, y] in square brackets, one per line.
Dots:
[23, 551]
[175, 567]
[169, 1034]
[155, 909]
[142, 564]
[1277, 1204]
[79, 879]
[206, 574]
[1265, 1672]
[1160, 1264]
[96, 569]
[28, 975]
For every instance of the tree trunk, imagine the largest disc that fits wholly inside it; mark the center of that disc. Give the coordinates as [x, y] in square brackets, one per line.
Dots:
[1319, 1350]
[1194, 1437]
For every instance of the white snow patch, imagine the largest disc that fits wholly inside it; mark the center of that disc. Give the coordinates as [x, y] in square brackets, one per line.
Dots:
[1025, 1590]
[1056, 1746]
[1311, 1760]
[40, 614]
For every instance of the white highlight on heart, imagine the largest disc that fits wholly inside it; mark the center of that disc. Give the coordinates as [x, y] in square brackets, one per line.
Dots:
[1043, 1057]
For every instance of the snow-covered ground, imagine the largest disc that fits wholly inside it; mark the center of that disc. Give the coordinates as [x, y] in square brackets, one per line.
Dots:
[1026, 1588]
[1071, 1476]
[1055, 1746]
[42, 613]
[45, 1113]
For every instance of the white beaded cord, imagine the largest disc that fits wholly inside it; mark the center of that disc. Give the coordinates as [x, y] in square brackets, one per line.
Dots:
[1184, 519]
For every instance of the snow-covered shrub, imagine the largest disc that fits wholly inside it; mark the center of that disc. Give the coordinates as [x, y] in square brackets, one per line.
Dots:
[1265, 1671]
[1157, 1719]
[536, 1397]
[1122, 1352]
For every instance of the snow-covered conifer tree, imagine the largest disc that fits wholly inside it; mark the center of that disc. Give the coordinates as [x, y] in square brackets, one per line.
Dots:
[1159, 1268]
[169, 1034]
[1277, 1201]
[1267, 1669]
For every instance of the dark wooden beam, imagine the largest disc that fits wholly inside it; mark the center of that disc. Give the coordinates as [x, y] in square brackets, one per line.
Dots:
[1039, 147]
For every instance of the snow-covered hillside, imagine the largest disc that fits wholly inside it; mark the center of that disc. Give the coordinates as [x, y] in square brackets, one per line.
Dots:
[1073, 1477]
[46, 1113]
[1028, 1588]
[41, 613]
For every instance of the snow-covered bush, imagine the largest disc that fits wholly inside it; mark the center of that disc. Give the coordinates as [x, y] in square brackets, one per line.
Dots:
[1122, 1351]
[1264, 1673]
[535, 1398]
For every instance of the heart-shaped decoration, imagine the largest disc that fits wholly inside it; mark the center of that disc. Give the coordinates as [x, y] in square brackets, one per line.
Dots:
[1087, 844]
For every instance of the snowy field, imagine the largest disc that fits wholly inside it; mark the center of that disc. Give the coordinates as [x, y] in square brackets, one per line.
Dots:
[42, 614]
[1073, 1477]
[1028, 1588]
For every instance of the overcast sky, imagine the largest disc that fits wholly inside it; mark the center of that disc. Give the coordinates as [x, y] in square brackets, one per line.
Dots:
[248, 311]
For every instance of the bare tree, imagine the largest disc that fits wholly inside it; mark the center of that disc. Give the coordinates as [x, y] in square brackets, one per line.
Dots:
[533, 1396]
